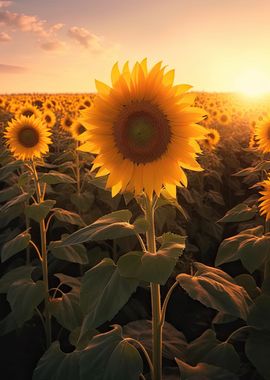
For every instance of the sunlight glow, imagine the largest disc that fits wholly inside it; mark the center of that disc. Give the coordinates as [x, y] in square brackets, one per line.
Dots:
[252, 83]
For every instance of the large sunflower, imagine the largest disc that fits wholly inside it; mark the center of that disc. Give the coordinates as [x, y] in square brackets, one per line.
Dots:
[27, 137]
[143, 130]
[264, 206]
[262, 134]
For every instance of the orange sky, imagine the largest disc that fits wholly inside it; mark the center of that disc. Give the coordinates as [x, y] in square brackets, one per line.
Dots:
[63, 45]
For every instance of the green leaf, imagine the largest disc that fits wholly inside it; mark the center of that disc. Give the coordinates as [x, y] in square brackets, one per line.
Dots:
[200, 346]
[110, 226]
[259, 315]
[249, 284]
[38, 212]
[24, 296]
[9, 168]
[15, 245]
[74, 254]
[129, 265]
[216, 289]
[141, 225]
[8, 193]
[158, 267]
[15, 201]
[228, 249]
[167, 199]
[57, 365]
[258, 351]
[125, 363]
[203, 371]
[68, 217]
[103, 293]
[8, 324]
[239, 213]
[54, 177]
[173, 341]
[66, 309]
[21, 273]
[83, 201]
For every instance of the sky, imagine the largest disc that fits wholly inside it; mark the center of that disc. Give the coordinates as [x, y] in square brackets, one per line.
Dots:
[64, 45]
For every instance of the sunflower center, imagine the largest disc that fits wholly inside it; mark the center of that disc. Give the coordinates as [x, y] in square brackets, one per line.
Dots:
[68, 122]
[48, 119]
[28, 137]
[28, 113]
[142, 132]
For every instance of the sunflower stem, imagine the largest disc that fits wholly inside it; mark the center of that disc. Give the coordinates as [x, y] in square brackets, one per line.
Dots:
[155, 295]
[44, 263]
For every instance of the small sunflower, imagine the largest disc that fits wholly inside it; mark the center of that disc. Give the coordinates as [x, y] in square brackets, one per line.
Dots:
[262, 134]
[77, 129]
[264, 206]
[27, 137]
[28, 110]
[212, 137]
[66, 123]
[144, 130]
[49, 118]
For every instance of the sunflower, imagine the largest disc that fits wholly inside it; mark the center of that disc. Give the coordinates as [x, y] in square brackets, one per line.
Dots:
[49, 118]
[262, 133]
[144, 130]
[77, 129]
[28, 110]
[212, 137]
[66, 123]
[264, 206]
[27, 137]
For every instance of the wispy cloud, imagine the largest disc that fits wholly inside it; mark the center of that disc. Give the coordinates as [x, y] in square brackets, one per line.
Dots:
[52, 45]
[4, 37]
[11, 69]
[85, 38]
[5, 4]
[22, 22]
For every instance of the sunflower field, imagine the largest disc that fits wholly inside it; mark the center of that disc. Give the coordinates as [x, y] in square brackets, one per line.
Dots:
[134, 232]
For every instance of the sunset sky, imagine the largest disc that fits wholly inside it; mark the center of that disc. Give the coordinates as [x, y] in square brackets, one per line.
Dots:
[63, 45]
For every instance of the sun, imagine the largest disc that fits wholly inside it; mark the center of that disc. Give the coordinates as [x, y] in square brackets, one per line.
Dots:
[252, 83]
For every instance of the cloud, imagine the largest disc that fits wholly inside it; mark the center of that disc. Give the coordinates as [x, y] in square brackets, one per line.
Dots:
[4, 37]
[10, 69]
[23, 22]
[56, 27]
[52, 45]
[5, 4]
[85, 38]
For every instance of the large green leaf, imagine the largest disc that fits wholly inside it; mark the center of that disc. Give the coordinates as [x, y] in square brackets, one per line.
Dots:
[125, 363]
[216, 289]
[9, 168]
[239, 213]
[68, 217]
[259, 315]
[15, 245]
[75, 254]
[54, 177]
[15, 201]
[8, 193]
[24, 296]
[21, 273]
[204, 371]
[39, 211]
[66, 308]
[103, 293]
[155, 268]
[173, 341]
[258, 351]
[110, 226]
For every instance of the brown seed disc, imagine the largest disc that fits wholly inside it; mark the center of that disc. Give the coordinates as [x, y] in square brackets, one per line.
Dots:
[28, 137]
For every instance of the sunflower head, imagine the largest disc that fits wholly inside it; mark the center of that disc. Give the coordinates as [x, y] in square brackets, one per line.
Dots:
[66, 123]
[264, 200]
[77, 129]
[28, 110]
[49, 118]
[144, 130]
[27, 137]
[262, 134]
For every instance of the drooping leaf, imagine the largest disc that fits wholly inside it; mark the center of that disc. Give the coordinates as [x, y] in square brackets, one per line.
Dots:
[21, 273]
[54, 177]
[39, 211]
[75, 254]
[24, 296]
[239, 213]
[216, 289]
[8, 193]
[103, 293]
[17, 244]
[68, 217]
[259, 315]
[111, 226]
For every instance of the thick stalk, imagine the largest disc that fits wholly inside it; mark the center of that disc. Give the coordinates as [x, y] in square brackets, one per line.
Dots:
[155, 296]
[44, 263]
